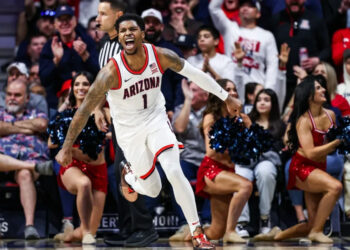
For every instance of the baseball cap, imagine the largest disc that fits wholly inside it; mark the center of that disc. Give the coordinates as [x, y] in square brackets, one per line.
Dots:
[64, 10]
[185, 41]
[253, 3]
[152, 13]
[20, 66]
[65, 86]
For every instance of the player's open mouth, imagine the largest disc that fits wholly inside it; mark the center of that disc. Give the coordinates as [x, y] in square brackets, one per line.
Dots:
[129, 43]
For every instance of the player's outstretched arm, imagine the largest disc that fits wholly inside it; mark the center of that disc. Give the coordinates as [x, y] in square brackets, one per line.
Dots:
[106, 79]
[169, 59]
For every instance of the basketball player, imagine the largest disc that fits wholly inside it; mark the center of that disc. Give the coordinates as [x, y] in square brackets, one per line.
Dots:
[132, 83]
[136, 227]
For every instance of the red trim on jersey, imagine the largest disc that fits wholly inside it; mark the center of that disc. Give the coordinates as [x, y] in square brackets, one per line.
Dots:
[145, 176]
[118, 72]
[157, 59]
[143, 67]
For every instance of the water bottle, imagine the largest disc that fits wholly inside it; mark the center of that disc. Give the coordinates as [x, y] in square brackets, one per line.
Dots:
[303, 54]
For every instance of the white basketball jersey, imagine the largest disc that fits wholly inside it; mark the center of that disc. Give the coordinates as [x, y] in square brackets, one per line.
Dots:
[138, 98]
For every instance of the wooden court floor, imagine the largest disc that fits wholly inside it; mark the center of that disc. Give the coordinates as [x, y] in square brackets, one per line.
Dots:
[339, 243]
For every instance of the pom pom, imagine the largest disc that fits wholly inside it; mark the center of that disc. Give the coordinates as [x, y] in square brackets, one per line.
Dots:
[341, 132]
[242, 144]
[90, 140]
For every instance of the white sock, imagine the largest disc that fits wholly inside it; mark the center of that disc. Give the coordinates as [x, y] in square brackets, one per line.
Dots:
[193, 226]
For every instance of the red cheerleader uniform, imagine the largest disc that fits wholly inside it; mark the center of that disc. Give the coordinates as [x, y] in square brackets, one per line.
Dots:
[301, 166]
[96, 173]
[209, 168]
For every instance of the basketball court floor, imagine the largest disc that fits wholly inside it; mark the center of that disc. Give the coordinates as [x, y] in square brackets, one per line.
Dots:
[339, 243]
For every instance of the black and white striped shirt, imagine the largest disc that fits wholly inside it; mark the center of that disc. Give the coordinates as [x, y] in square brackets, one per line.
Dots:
[109, 49]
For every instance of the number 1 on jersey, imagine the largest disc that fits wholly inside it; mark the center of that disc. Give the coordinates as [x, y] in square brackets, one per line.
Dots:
[144, 101]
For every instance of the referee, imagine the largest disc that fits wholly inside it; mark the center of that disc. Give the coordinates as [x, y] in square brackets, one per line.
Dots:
[135, 221]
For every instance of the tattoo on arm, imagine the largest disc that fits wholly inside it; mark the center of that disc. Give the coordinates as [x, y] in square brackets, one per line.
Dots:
[106, 79]
[170, 59]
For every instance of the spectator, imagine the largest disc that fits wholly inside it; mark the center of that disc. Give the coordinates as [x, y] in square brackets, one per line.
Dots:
[344, 88]
[300, 28]
[266, 113]
[179, 22]
[328, 72]
[27, 19]
[198, 10]
[34, 82]
[154, 26]
[70, 51]
[45, 24]
[338, 101]
[18, 71]
[171, 81]
[217, 65]
[231, 10]
[8, 163]
[85, 177]
[20, 138]
[35, 46]
[260, 61]
[251, 90]
[186, 120]
[94, 32]
[160, 5]
[67, 199]
[340, 42]
[38, 90]
[187, 45]
[63, 94]
[217, 180]
[34, 78]
[335, 13]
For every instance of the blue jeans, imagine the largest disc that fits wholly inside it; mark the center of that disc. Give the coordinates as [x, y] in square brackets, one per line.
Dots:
[67, 199]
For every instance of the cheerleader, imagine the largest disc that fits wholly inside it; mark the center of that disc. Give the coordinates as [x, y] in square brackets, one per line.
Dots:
[306, 139]
[86, 176]
[216, 178]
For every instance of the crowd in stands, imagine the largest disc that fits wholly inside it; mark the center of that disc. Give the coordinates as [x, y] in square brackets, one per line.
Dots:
[259, 51]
